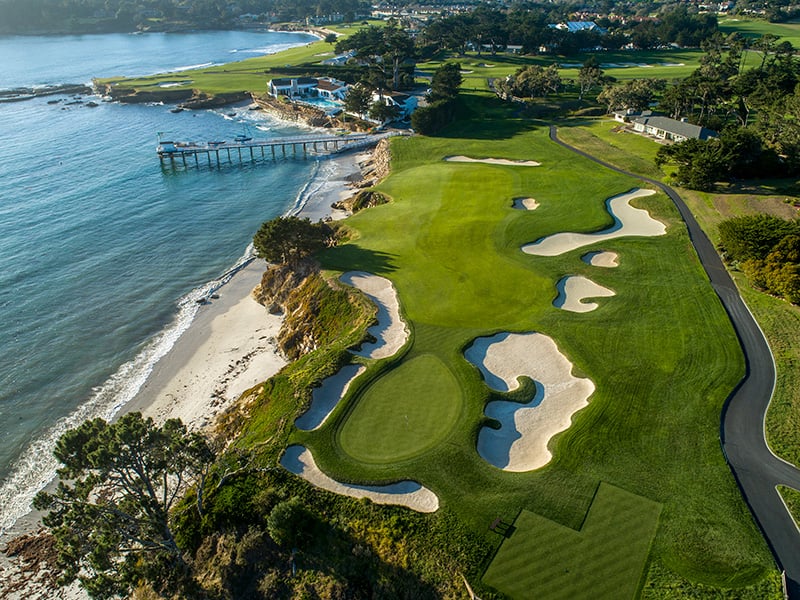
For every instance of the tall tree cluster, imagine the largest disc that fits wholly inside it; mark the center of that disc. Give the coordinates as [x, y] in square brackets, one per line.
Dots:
[757, 111]
[441, 98]
[767, 249]
[22, 16]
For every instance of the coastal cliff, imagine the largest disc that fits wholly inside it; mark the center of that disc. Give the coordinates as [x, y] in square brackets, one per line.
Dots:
[183, 97]
[308, 115]
[316, 309]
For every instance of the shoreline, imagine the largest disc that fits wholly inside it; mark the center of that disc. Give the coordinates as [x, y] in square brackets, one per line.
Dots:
[226, 349]
[229, 347]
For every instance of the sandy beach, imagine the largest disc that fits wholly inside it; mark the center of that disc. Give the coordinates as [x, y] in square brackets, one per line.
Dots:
[228, 348]
[230, 345]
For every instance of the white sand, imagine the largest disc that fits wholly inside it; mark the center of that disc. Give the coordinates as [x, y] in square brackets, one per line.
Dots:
[299, 460]
[229, 348]
[390, 332]
[525, 204]
[493, 161]
[521, 442]
[601, 258]
[574, 289]
[629, 221]
[226, 349]
[325, 398]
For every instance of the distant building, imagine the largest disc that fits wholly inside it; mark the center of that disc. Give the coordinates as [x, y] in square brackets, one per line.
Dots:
[297, 88]
[670, 129]
[339, 59]
[405, 104]
[575, 26]
[627, 115]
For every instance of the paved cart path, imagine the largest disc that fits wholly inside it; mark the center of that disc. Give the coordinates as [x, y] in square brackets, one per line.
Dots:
[757, 470]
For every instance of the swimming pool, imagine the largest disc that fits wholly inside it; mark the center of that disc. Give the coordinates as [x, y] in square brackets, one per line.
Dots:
[329, 106]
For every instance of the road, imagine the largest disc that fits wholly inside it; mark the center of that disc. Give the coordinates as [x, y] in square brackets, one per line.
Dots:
[756, 469]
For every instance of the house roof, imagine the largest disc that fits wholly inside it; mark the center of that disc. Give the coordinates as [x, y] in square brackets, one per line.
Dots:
[573, 26]
[287, 81]
[681, 128]
[331, 86]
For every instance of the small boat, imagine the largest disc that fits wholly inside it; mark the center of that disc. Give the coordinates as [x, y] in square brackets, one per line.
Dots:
[244, 136]
[177, 109]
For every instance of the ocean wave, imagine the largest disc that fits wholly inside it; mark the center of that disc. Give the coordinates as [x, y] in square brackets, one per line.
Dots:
[36, 467]
[264, 50]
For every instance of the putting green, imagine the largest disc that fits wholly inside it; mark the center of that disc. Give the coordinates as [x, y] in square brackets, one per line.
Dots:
[407, 411]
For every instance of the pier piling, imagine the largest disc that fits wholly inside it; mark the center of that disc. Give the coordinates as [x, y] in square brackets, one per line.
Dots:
[170, 152]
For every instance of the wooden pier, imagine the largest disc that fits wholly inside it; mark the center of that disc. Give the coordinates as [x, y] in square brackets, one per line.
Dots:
[219, 153]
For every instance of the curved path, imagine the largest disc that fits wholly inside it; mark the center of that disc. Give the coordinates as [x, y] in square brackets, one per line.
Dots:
[756, 468]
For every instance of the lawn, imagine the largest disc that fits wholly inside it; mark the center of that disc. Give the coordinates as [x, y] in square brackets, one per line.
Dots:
[779, 320]
[667, 64]
[661, 352]
[754, 28]
[604, 559]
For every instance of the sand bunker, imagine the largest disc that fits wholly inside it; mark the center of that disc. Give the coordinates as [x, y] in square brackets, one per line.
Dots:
[299, 460]
[325, 398]
[390, 332]
[525, 204]
[601, 258]
[572, 291]
[628, 221]
[493, 161]
[521, 442]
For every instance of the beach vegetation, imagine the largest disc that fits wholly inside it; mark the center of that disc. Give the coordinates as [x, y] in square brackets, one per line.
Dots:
[110, 512]
[285, 240]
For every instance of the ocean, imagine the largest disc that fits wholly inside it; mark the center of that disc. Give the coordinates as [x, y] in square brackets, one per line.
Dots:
[102, 251]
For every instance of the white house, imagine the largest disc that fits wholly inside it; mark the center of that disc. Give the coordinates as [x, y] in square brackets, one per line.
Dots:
[670, 129]
[292, 87]
[308, 87]
[332, 89]
[339, 59]
[405, 104]
[627, 115]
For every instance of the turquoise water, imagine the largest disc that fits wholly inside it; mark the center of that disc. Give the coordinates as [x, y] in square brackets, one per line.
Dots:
[102, 252]
[329, 106]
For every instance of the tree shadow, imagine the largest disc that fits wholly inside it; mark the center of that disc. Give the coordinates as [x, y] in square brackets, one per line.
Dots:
[482, 117]
[352, 257]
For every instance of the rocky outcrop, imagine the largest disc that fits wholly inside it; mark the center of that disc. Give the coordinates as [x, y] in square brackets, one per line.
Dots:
[308, 115]
[360, 201]
[283, 290]
[317, 311]
[278, 283]
[25, 93]
[376, 168]
[183, 97]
